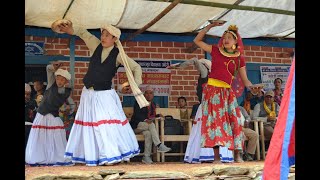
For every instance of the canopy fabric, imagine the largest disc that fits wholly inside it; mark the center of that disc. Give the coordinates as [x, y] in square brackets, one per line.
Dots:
[184, 18]
[253, 24]
[90, 14]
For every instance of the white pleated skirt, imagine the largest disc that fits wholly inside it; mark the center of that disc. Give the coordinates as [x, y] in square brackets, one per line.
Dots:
[47, 142]
[101, 133]
[196, 154]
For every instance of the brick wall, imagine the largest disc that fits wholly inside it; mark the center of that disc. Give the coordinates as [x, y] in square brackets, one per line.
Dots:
[182, 81]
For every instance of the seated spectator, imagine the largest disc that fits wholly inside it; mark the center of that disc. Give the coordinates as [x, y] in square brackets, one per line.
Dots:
[268, 109]
[182, 105]
[30, 107]
[278, 92]
[251, 135]
[38, 86]
[142, 122]
[246, 103]
[184, 114]
[256, 99]
[67, 114]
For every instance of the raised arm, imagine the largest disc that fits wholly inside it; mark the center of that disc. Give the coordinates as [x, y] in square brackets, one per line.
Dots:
[91, 41]
[51, 68]
[199, 66]
[202, 68]
[198, 39]
[50, 75]
[197, 63]
[187, 63]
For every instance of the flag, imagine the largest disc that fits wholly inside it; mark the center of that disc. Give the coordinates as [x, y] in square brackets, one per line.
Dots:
[281, 153]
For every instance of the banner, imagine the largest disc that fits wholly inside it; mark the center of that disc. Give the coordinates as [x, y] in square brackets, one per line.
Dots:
[270, 73]
[33, 48]
[154, 74]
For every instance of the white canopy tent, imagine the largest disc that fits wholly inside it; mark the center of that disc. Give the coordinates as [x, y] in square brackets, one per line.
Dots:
[183, 18]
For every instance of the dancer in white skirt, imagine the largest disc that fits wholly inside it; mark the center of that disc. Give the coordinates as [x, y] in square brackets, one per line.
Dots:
[47, 140]
[196, 154]
[101, 133]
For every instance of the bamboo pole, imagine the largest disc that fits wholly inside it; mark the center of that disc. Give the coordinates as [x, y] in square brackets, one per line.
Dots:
[228, 10]
[65, 13]
[238, 7]
[280, 38]
[287, 35]
[72, 59]
[223, 14]
[153, 21]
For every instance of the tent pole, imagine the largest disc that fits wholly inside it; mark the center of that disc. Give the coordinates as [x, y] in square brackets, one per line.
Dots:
[72, 59]
[238, 7]
[153, 21]
[65, 13]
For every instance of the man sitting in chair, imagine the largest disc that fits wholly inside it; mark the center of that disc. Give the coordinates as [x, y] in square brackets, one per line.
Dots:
[251, 135]
[267, 109]
[142, 122]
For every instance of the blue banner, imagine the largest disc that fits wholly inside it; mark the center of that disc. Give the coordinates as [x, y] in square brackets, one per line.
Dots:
[33, 48]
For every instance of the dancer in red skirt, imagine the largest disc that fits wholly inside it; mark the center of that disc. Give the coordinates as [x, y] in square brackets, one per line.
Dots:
[221, 116]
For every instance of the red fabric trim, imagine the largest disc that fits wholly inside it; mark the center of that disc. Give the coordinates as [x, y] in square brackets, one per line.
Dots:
[112, 121]
[47, 127]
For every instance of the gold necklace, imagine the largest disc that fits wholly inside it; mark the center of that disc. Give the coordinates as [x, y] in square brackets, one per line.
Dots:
[271, 112]
[236, 53]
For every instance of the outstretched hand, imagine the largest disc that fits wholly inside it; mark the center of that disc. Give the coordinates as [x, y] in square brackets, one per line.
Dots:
[56, 65]
[67, 28]
[255, 90]
[126, 90]
[216, 23]
[174, 66]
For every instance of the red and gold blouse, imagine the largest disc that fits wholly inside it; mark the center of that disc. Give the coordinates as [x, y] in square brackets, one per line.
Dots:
[223, 67]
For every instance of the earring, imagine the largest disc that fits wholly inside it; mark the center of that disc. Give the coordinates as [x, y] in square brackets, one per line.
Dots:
[233, 47]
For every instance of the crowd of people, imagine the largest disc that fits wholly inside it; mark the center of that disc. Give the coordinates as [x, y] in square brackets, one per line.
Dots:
[97, 132]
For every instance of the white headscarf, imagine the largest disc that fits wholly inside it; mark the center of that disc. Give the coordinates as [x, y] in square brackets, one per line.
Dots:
[135, 89]
[63, 73]
[148, 88]
[112, 30]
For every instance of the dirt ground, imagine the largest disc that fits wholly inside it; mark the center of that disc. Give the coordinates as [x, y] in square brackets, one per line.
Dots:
[31, 172]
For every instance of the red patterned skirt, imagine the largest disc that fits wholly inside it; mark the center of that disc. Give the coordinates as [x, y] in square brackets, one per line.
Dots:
[220, 119]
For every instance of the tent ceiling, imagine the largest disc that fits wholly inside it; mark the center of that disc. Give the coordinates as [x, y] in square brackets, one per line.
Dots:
[135, 14]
